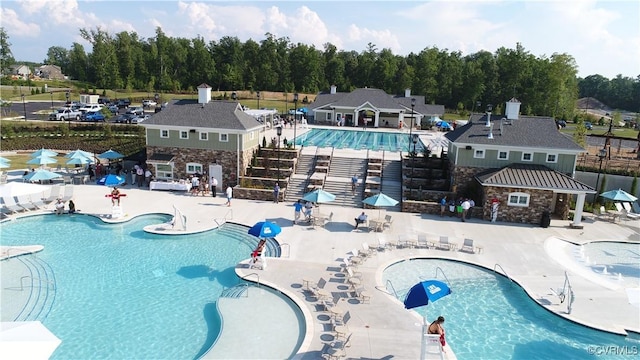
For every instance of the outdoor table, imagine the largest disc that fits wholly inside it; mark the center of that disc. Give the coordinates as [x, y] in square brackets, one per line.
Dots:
[159, 185]
[323, 293]
[305, 283]
[376, 225]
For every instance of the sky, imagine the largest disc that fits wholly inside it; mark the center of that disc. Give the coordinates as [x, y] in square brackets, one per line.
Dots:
[602, 36]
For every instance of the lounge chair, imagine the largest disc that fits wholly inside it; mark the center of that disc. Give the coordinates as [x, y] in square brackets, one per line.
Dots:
[54, 194]
[388, 221]
[630, 215]
[362, 294]
[39, 203]
[68, 193]
[354, 274]
[26, 203]
[444, 243]
[636, 207]
[11, 205]
[369, 250]
[619, 206]
[468, 246]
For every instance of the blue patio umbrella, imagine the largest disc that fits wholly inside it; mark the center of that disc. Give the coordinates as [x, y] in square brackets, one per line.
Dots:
[420, 295]
[3, 159]
[111, 155]
[380, 200]
[111, 180]
[79, 160]
[618, 195]
[444, 125]
[265, 229]
[319, 196]
[43, 152]
[42, 160]
[40, 175]
[4, 164]
[75, 153]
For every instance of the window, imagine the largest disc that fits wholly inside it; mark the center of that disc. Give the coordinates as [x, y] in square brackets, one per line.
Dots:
[503, 155]
[193, 168]
[184, 135]
[329, 116]
[204, 136]
[478, 154]
[224, 138]
[552, 158]
[518, 199]
[164, 171]
[527, 156]
[164, 133]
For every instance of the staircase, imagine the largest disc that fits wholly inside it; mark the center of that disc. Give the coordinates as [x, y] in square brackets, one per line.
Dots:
[41, 286]
[344, 167]
[234, 231]
[392, 181]
[298, 180]
[338, 181]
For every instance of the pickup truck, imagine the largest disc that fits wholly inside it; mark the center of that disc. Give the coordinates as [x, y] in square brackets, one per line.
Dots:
[65, 114]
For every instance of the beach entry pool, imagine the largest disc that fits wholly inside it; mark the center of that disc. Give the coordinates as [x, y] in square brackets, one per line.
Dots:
[358, 139]
[489, 317]
[121, 293]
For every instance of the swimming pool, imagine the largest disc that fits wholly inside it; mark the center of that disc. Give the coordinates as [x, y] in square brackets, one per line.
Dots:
[354, 139]
[122, 293]
[488, 317]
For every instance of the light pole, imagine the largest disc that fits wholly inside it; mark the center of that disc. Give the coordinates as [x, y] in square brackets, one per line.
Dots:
[413, 104]
[51, 93]
[295, 118]
[258, 95]
[414, 139]
[67, 95]
[24, 107]
[279, 132]
[601, 154]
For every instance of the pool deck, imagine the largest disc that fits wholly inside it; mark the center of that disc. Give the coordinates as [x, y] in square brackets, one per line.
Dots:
[381, 327]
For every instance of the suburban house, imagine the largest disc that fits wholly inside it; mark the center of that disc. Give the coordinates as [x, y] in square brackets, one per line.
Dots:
[52, 72]
[201, 136]
[372, 108]
[522, 163]
[22, 71]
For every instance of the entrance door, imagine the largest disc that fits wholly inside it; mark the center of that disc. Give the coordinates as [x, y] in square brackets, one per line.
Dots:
[215, 170]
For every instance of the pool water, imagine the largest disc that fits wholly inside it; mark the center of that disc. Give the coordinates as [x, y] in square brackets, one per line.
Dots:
[122, 293]
[359, 140]
[488, 317]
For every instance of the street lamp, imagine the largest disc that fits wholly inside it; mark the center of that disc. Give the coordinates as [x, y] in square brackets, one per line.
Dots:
[601, 154]
[234, 96]
[258, 95]
[295, 118]
[414, 139]
[67, 94]
[51, 93]
[24, 107]
[279, 132]
[413, 104]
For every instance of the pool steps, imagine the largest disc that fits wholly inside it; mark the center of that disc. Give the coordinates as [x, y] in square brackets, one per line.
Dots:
[41, 285]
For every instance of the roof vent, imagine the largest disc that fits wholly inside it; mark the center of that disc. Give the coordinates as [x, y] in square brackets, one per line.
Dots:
[490, 136]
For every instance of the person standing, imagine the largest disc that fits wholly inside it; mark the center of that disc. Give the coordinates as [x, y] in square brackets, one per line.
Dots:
[229, 193]
[354, 182]
[214, 186]
[465, 209]
[298, 211]
[276, 193]
[147, 177]
[115, 196]
[140, 175]
[443, 205]
[472, 204]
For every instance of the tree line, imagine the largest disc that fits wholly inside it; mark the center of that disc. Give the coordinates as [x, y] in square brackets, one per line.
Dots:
[545, 85]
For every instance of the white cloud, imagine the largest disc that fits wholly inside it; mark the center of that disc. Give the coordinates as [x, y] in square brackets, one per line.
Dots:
[16, 27]
[380, 38]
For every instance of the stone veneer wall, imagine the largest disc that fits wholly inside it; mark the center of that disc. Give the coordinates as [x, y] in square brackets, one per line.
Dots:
[539, 201]
[257, 194]
[227, 159]
[463, 175]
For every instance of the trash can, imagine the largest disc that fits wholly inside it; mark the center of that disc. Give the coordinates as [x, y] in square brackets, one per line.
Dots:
[546, 219]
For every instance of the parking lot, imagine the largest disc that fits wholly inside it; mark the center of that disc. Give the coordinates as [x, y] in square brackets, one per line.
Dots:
[40, 110]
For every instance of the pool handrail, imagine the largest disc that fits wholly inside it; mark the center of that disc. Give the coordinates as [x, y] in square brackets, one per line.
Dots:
[503, 271]
[256, 274]
[443, 275]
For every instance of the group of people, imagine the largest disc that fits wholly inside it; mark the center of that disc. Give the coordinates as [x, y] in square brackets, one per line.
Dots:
[461, 208]
[60, 207]
[299, 208]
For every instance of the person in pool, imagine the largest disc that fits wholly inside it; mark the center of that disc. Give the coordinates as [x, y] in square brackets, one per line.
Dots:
[436, 328]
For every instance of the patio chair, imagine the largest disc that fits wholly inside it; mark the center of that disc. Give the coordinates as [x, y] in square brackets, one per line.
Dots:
[444, 243]
[368, 250]
[630, 215]
[354, 274]
[388, 221]
[619, 206]
[422, 241]
[68, 193]
[11, 205]
[39, 203]
[54, 194]
[336, 350]
[26, 203]
[383, 244]
[340, 325]
[467, 245]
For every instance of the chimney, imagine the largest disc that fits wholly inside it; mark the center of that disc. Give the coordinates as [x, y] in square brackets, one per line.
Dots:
[513, 109]
[407, 93]
[204, 94]
[333, 89]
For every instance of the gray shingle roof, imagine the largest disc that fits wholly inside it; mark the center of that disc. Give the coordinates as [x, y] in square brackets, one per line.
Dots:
[527, 131]
[377, 98]
[532, 177]
[216, 114]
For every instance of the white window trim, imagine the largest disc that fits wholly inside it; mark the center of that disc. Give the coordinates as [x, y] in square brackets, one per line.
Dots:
[195, 165]
[206, 136]
[555, 158]
[252, 135]
[162, 132]
[185, 133]
[503, 151]
[478, 156]
[520, 196]
[221, 139]
[525, 153]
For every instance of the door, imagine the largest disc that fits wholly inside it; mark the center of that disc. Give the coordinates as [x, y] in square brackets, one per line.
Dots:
[215, 170]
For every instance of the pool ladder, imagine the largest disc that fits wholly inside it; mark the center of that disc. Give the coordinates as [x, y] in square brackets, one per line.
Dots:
[496, 266]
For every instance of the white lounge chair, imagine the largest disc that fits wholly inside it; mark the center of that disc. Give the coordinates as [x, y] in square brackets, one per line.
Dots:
[444, 243]
[54, 194]
[630, 215]
[11, 205]
[369, 250]
[68, 193]
[422, 241]
[26, 203]
[467, 245]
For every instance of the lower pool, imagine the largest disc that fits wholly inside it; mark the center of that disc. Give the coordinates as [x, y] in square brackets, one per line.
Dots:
[121, 293]
[489, 317]
[355, 139]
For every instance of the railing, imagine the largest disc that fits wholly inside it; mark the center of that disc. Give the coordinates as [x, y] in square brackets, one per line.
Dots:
[566, 290]
[387, 291]
[224, 219]
[443, 275]
[256, 274]
[282, 246]
[504, 272]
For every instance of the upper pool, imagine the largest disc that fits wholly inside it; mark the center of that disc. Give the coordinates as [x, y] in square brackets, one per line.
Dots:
[122, 293]
[358, 139]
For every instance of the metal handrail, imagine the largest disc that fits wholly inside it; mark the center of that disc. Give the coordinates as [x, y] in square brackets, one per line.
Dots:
[256, 274]
[288, 249]
[35, 278]
[443, 275]
[503, 271]
[392, 288]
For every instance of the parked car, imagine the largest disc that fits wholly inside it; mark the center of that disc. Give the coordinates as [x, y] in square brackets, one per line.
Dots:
[136, 110]
[94, 116]
[148, 103]
[123, 103]
[123, 119]
[64, 114]
[588, 125]
[561, 123]
[113, 108]
[91, 108]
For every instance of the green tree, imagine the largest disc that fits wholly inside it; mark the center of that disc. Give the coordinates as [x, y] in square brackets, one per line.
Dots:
[6, 56]
[634, 185]
[57, 55]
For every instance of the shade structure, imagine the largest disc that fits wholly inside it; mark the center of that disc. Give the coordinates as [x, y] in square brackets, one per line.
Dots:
[42, 160]
[111, 180]
[319, 196]
[41, 174]
[4, 164]
[43, 152]
[265, 229]
[79, 160]
[429, 290]
[3, 159]
[27, 340]
[16, 188]
[618, 195]
[110, 155]
[77, 152]
[380, 200]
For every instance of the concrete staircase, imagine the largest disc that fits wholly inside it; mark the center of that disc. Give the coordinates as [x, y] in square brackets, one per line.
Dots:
[392, 181]
[299, 179]
[338, 180]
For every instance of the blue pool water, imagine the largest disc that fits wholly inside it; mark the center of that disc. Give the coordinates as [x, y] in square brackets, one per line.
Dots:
[353, 139]
[122, 293]
[488, 317]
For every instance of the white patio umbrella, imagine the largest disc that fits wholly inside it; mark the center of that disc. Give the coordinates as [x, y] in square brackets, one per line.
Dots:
[26, 340]
[16, 188]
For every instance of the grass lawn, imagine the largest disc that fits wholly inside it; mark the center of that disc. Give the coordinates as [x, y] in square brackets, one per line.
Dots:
[19, 161]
